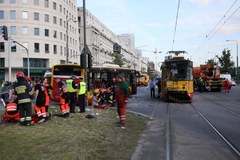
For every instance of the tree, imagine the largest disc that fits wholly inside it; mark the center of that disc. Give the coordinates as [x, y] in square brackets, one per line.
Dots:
[211, 61]
[225, 62]
[118, 59]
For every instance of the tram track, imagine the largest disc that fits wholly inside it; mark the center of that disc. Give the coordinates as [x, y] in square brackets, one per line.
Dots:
[169, 145]
[220, 106]
[229, 143]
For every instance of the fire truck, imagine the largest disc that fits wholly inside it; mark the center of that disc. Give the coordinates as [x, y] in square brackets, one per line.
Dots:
[210, 74]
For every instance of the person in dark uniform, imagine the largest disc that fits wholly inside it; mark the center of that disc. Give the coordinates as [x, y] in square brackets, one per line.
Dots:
[72, 89]
[24, 96]
[40, 97]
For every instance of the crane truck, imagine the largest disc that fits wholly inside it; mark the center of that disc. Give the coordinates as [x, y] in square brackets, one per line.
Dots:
[210, 74]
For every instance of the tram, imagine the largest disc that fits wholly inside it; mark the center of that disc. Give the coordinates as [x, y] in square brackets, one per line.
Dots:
[177, 78]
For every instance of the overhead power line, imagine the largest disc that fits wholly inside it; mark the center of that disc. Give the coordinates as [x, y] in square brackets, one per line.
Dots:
[174, 34]
[216, 28]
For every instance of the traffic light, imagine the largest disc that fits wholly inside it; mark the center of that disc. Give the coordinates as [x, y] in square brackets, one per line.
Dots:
[89, 60]
[5, 33]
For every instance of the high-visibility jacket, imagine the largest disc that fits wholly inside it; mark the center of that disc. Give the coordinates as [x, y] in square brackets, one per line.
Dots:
[70, 86]
[24, 91]
[82, 88]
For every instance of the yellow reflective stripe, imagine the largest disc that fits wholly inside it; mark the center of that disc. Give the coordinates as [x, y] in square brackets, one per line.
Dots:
[22, 119]
[24, 100]
[28, 118]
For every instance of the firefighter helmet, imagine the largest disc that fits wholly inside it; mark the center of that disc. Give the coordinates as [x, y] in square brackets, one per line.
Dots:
[28, 78]
[20, 74]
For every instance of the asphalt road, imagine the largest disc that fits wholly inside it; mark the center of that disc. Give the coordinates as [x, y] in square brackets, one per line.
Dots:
[191, 137]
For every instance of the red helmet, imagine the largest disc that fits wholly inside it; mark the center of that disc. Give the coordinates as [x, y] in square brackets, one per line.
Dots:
[108, 90]
[28, 78]
[20, 74]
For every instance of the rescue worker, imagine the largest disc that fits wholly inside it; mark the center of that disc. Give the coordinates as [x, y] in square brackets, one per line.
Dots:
[122, 93]
[72, 88]
[201, 85]
[40, 97]
[81, 95]
[226, 85]
[24, 95]
[108, 97]
[112, 88]
[64, 97]
[47, 90]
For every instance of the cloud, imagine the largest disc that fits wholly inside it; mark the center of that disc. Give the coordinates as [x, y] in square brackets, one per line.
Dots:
[230, 29]
[201, 2]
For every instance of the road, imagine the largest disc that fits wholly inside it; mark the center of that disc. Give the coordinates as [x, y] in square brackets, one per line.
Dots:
[184, 131]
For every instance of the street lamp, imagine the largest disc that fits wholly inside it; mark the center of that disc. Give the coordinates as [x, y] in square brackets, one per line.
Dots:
[67, 53]
[237, 56]
[28, 65]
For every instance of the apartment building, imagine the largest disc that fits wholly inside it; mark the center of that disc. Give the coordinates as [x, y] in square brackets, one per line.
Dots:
[100, 41]
[46, 28]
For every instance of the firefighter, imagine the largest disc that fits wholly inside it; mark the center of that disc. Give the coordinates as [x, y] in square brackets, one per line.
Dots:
[122, 93]
[72, 88]
[64, 97]
[81, 95]
[40, 97]
[24, 95]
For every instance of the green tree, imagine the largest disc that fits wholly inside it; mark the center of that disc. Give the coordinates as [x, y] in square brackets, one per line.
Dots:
[211, 61]
[118, 59]
[225, 62]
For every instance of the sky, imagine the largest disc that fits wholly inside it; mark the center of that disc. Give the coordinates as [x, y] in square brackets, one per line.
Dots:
[201, 29]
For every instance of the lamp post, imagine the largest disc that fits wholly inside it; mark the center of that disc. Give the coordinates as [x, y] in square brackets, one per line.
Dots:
[28, 68]
[67, 53]
[237, 56]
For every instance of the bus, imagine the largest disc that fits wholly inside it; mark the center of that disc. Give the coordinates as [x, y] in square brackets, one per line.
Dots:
[64, 72]
[101, 76]
[143, 79]
[97, 76]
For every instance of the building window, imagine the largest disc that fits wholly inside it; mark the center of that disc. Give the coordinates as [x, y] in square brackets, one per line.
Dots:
[12, 1]
[36, 31]
[36, 16]
[36, 2]
[36, 47]
[46, 32]
[60, 21]
[55, 49]
[46, 18]
[24, 1]
[35, 62]
[60, 6]
[46, 48]
[12, 14]
[54, 5]
[13, 30]
[1, 14]
[14, 48]
[46, 3]
[54, 20]
[24, 30]
[61, 50]
[60, 35]
[2, 47]
[24, 15]
[54, 34]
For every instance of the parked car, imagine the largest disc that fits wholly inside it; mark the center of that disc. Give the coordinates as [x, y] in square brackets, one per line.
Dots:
[233, 83]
